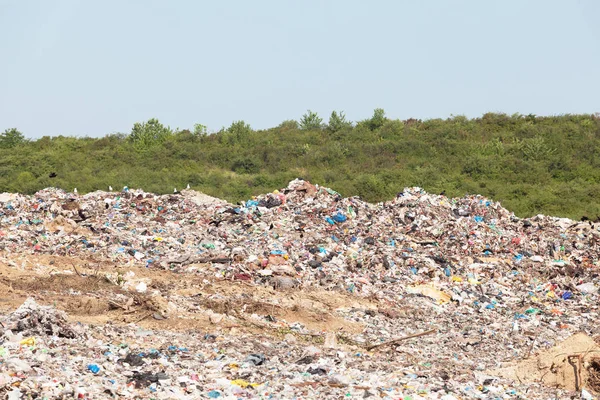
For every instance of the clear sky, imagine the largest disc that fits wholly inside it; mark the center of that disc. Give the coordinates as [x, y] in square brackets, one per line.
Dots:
[89, 68]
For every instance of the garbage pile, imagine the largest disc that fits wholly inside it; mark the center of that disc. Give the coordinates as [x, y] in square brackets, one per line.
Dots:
[465, 291]
[304, 235]
[32, 319]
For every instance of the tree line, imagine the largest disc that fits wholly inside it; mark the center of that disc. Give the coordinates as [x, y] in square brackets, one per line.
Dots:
[532, 164]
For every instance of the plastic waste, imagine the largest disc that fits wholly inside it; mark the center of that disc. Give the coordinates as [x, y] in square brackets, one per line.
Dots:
[256, 359]
[93, 368]
[430, 292]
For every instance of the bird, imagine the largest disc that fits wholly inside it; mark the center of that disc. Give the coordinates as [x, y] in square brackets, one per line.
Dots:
[52, 175]
[175, 190]
[188, 186]
[110, 188]
[75, 190]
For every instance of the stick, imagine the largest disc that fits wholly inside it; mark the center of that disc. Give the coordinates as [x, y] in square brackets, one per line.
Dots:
[142, 318]
[73, 265]
[394, 341]
[117, 305]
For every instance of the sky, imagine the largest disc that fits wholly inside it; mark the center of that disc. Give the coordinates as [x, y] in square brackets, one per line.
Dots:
[91, 68]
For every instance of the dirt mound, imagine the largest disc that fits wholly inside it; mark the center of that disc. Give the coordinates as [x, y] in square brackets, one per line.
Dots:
[201, 199]
[573, 364]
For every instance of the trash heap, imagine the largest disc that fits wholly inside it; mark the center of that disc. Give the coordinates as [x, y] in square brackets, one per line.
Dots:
[304, 232]
[464, 283]
[32, 319]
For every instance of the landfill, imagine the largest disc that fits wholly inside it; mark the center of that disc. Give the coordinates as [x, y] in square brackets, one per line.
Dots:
[295, 294]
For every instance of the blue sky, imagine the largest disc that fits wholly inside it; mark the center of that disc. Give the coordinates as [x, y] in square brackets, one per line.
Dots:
[90, 68]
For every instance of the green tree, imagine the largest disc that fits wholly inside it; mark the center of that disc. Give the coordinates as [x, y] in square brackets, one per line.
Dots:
[238, 132]
[200, 130]
[147, 134]
[311, 121]
[337, 122]
[11, 138]
[377, 120]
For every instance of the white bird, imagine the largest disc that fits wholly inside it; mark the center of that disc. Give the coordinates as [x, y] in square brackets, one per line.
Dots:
[75, 190]
[188, 187]
[175, 190]
[110, 188]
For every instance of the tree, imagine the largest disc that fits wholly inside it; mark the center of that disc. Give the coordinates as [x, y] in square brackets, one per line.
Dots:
[337, 122]
[200, 130]
[311, 121]
[377, 120]
[11, 138]
[237, 132]
[148, 134]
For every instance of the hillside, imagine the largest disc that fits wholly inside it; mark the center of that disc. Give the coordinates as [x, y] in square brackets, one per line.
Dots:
[530, 164]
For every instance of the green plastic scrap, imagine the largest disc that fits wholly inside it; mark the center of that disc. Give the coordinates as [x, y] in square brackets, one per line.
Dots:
[333, 192]
[532, 310]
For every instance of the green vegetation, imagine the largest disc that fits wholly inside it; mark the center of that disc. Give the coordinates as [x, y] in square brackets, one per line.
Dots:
[531, 164]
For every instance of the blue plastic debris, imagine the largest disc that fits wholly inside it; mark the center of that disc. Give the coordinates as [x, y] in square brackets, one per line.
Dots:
[93, 368]
[567, 295]
[339, 217]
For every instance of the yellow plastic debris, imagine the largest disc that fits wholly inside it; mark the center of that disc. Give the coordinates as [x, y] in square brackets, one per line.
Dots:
[243, 384]
[457, 279]
[30, 341]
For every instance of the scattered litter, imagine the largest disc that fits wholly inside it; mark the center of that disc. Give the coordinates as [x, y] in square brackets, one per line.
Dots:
[298, 293]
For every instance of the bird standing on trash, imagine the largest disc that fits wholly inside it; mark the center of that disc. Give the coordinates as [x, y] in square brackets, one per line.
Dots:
[75, 190]
[188, 186]
[110, 188]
